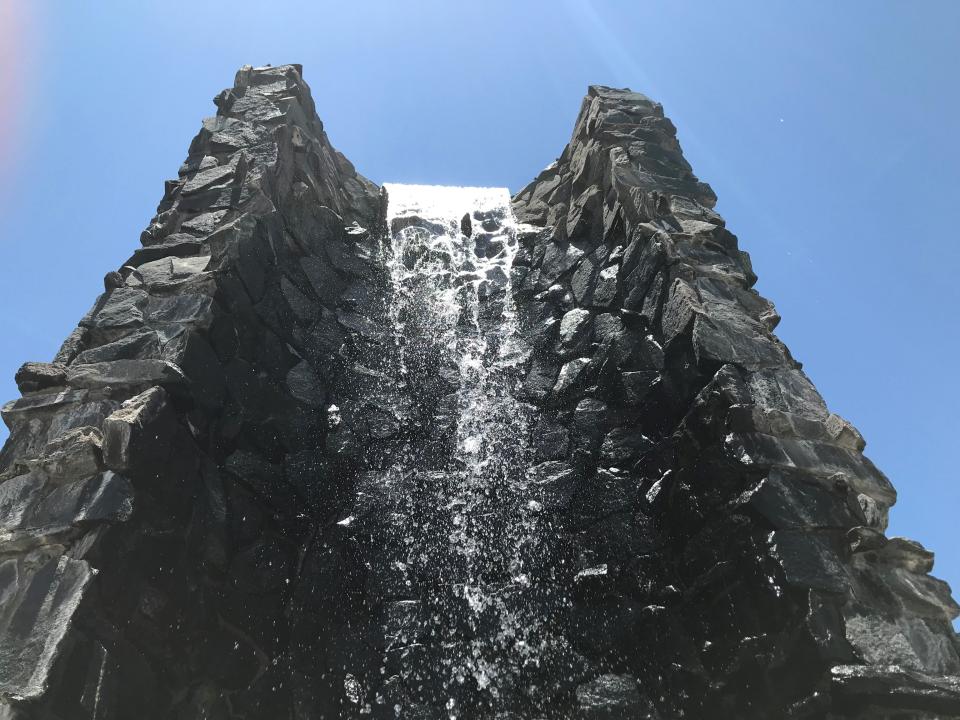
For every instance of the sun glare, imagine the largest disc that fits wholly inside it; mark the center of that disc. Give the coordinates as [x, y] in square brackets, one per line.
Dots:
[13, 24]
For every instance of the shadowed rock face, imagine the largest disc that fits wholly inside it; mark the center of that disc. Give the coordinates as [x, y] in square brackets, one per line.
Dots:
[272, 475]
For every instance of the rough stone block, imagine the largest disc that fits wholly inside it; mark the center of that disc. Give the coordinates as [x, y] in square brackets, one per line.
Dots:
[40, 599]
[141, 420]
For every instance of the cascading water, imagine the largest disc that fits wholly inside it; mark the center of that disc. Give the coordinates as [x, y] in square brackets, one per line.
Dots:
[472, 552]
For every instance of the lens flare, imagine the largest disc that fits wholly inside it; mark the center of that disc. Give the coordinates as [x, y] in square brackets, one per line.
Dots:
[13, 42]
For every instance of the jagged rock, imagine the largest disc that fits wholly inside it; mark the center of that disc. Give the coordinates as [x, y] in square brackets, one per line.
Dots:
[124, 373]
[557, 260]
[796, 500]
[204, 223]
[573, 328]
[874, 516]
[589, 418]
[552, 484]
[112, 280]
[175, 245]
[843, 433]
[18, 496]
[623, 445]
[75, 454]
[908, 554]
[573, 376]
[33, 513]
[39, 418]
[594, 284]
[865, 691]
[186, 309]
[809, 560]
[207, 178]
[106, 497]
[136, 346]
[41, 594]
[541, 379]
[863, 538]
[133, 425]
[32, 377]
[638, 384]
[306, 457]
[170, 272]
[123, 309]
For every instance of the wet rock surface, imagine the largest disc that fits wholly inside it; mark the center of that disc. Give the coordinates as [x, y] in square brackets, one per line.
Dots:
[748, 571]
[322, 451]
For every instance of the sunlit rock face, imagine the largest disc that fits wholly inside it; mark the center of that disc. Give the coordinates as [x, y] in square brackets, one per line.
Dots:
[328, 450]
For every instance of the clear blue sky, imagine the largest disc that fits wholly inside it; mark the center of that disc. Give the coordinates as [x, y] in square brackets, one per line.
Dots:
[828, 129]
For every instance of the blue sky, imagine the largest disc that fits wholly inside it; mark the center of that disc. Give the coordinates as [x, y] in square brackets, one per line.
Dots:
[828, 130]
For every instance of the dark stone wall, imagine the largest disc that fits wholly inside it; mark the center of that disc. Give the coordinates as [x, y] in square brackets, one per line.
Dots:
[175, 489]
[738, 523]
[154, 501]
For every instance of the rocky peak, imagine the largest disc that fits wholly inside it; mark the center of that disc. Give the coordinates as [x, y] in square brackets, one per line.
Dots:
[313, 454]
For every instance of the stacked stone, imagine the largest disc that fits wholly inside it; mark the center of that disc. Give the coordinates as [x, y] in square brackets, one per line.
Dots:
[734, 562]
[157, 484]
[188, 491]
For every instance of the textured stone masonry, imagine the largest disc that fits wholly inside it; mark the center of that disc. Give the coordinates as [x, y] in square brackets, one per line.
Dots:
[192, 512]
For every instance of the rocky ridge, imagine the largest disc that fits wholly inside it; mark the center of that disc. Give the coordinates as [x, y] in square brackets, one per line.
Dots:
[750, 548]
[192, 495]
[153, 503]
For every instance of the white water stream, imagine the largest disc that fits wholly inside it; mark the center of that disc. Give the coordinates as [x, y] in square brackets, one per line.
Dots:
[451, 298]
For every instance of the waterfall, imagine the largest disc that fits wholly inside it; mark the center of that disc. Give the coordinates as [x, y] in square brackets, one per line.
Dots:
[474, 546]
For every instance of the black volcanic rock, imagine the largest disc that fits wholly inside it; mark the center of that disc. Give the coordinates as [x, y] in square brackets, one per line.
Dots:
[197, 513]
[761, 496]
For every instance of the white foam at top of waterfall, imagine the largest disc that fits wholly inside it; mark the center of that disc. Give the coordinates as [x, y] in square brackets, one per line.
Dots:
[443, 201]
